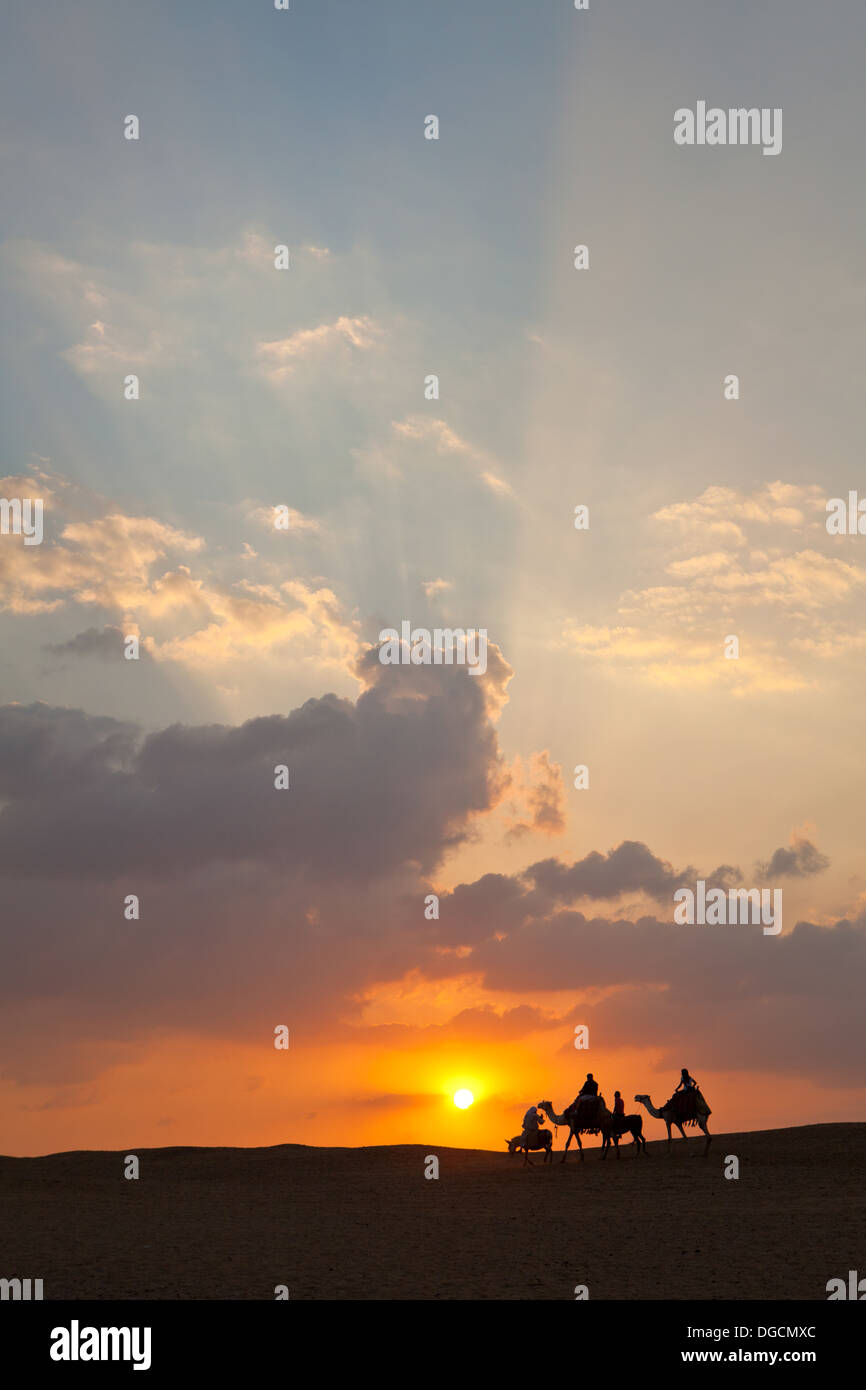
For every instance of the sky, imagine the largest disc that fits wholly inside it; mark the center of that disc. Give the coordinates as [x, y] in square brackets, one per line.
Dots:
[304, 388]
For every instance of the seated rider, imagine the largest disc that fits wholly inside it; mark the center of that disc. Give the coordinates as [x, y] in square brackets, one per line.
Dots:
[618, 1105]
[532, 1121]
[687, 1083]
[588, 1091]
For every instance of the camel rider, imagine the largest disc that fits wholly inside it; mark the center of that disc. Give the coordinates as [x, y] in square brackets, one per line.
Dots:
[618, 1105]
[687, 1083]
[588, 1091]
[532, 1121]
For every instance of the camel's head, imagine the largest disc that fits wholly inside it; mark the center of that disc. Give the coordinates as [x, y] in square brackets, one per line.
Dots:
[642, 1098]
[544, 1104]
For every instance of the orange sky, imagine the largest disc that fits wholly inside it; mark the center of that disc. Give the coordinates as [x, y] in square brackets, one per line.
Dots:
[195, 1091]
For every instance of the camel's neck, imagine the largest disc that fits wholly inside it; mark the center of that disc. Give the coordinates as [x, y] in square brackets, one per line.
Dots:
[656, 1114]
[552, 1115]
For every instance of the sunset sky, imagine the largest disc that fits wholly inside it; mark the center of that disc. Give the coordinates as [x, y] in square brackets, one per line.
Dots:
[305, 388]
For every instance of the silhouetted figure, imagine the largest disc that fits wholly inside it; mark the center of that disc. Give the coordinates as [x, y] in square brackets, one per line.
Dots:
[532, 1121]
[618, 1105]
[532, 1137]
[589, 1087]
[687, 1083]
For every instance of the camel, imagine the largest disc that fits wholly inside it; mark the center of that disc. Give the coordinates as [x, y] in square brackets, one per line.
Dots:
[540, 1139]
[618, 1128]
[667, 1114]
[604, 1122]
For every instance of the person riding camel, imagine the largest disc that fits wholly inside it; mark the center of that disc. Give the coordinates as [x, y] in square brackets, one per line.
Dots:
[587, 1092]
[618, 1105]
[688, 1100]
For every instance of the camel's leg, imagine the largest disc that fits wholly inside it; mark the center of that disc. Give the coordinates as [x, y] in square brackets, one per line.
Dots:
[567, 1142]
[580, 1146]
[709, 1138]
[670, 1135]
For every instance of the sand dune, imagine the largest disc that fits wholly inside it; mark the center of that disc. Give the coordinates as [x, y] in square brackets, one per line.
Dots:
[366, 1224]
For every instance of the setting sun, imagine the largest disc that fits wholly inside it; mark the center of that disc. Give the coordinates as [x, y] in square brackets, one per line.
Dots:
[463, 1099]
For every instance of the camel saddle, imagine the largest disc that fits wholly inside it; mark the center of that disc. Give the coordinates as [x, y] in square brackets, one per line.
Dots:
[583, 1113]
[688, 1105]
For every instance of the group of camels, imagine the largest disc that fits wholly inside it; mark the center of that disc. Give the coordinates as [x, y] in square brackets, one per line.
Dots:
[612, 1129]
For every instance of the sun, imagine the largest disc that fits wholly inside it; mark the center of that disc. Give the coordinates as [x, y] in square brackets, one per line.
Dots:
[463, 1099]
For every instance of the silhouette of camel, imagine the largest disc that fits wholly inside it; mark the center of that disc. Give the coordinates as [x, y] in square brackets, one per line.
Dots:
[668, 1114]
[575, 1129]
[618, 1127]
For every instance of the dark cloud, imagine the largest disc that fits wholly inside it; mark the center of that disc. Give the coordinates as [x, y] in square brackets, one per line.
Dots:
[260, 907]
[389, 779]
[800, 860]
[103, 644]
[630, 868]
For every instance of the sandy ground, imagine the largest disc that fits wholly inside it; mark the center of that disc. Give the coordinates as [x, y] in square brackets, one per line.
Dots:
[366, 1224]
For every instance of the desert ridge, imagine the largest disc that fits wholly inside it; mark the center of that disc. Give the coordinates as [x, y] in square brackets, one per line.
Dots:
[366, 1223]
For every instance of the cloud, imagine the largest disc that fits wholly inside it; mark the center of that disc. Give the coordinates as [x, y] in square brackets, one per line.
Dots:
[672, 632]
[193, 616]
[432, 587]
[153, 309]
[253, 900]
[110, 802]
[630, 868]
[668, 654]
[800, 860]
[280, 358]
[104, 644]
[103, 561]
[257, 902]
[540, 792]
[497, 485]
[432, 434]
[774, 504]
[265, 516]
